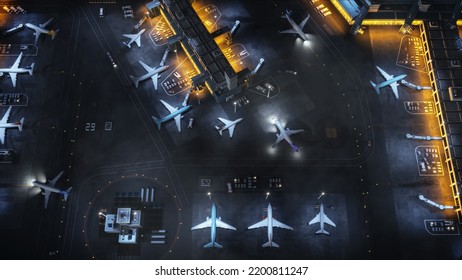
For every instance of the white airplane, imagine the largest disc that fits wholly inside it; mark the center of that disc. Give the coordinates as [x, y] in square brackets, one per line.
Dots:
[270, 222]
[14, 70]
[134, 38]
[213, 223]
[284, 134]
[296, 28]
[391, 81]
[153, 73]
[321, 218]
[4, 125]
[41, 30]
[175, 113]
[230, 125]
[49, 187]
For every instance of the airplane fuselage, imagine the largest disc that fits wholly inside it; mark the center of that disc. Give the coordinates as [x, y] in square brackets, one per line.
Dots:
[152, 73]
[174, 114]
[46, 187]
[270, 223]
[296, 27]
[18, 70]
[282, 131]
[213, 227]
[37, 28]
[391, 81]
[231, 124]
[321, 217]
[10, 125]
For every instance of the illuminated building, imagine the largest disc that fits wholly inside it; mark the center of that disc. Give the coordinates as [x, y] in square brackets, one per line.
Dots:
[442, 55]
[214, 70]
[405, 13]
[441, 46]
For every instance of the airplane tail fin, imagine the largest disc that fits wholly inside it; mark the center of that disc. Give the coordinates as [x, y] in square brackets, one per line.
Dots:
[375, 87]
[21, 123]
[270, 244]
[213, 244]
[31, 70]
[128, 45]
[322, 231]
[287, 13]
[66, 193]
[135, 80]
[157, 121]
[295, 148]
[54, 33]
[219, 130]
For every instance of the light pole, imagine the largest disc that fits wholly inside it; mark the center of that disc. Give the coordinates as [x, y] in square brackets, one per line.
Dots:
[321, 195]
[235, 103]
[209, 194]
[267, 194]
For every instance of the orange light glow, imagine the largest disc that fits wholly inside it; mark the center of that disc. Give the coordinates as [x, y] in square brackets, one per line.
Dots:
[442, 128]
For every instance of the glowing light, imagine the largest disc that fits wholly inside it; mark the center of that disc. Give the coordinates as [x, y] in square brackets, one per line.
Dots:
[297, 155]
[36, 191]
[270, 150]
[30, 182]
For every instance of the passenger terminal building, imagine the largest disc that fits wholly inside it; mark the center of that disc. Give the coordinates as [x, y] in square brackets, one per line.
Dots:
[405, 13]
[215, 72]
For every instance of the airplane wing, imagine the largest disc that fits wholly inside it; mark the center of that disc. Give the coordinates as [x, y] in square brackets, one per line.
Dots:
[138, 41]
[222, 224]
[146, 67]
[46, 193]
[178, 122]
[278, 224]
[206, 224]
[53, 182]
[328, 221]
[16, 63]
[291, 132]
[3, 121]
[291, 31]
[2, 135]
[231, 130]
[280, 138]
[384, 74]
[37, 35]
[228, 122]
[43, 25]
[225, 121]
[394, 88]
[6, 116]
[13, 78]
[169, 107]
[154, 79]
[262, 223]
[129, 36]
[316, 219]
[302, 24]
